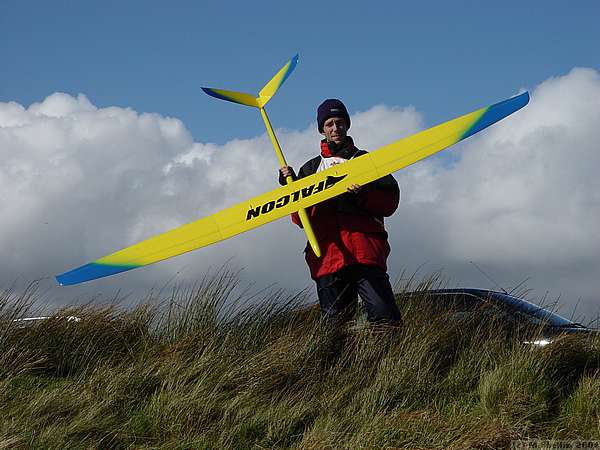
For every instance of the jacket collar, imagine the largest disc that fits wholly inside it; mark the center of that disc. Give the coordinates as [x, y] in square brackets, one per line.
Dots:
[347, 150]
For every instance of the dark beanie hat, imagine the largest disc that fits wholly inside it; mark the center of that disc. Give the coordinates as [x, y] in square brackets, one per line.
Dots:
[332, 107]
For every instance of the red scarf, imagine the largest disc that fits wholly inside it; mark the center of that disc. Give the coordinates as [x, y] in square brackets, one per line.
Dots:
[347, 150]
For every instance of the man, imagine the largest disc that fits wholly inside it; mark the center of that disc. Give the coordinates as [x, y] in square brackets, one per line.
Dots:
[349, 228]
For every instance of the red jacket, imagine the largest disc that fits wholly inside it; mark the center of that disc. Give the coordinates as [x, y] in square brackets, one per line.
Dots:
[350, 228]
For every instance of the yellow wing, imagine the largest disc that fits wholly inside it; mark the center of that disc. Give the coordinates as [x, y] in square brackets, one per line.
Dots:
[299, 194]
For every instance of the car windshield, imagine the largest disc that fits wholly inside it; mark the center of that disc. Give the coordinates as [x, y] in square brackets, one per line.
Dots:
[534, 313]
[533, 310]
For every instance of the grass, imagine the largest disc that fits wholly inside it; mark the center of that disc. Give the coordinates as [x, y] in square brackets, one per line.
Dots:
[200, 370]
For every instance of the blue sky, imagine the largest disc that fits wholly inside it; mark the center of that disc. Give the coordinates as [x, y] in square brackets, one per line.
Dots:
[445, 58]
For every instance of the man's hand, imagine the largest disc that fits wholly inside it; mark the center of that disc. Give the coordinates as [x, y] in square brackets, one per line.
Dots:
[355, 189]
[287, 171]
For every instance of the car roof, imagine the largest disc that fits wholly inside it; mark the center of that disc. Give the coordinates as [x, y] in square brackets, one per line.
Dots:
[511, 302]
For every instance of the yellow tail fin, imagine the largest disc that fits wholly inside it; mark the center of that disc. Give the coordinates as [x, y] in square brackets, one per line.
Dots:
[265, 94]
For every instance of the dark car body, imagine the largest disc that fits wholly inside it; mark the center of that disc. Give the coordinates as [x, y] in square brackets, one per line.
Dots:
[462, 303]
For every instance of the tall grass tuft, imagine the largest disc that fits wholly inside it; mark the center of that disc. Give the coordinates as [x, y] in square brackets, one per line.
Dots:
[218, 366]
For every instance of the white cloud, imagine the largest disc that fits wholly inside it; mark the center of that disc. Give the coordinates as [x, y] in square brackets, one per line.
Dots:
[521, 199]
[524, 196]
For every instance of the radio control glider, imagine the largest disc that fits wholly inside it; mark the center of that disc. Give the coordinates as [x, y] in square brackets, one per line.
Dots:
[296, 195]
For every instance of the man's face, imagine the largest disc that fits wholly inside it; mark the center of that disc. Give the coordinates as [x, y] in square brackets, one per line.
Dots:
[335, 129]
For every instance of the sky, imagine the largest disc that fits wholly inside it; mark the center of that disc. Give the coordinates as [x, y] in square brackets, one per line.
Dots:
[106, 137]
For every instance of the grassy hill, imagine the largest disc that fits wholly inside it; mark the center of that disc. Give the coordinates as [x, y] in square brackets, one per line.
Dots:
[188, 374]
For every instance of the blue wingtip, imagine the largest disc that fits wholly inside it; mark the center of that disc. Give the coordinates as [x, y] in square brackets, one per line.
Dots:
[89, 272]
[498, 112]
[212, 93]
[294, 63]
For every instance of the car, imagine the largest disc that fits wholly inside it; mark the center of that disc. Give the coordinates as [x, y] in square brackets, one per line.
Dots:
[27, 322]
[464, 303]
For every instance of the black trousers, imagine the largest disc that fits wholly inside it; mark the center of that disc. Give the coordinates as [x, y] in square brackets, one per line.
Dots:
[338, 293]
